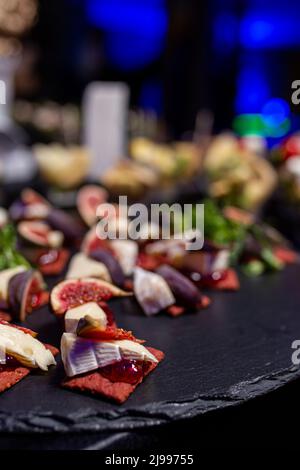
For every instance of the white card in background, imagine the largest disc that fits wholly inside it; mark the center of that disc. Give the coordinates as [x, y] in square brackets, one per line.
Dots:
[105, 108]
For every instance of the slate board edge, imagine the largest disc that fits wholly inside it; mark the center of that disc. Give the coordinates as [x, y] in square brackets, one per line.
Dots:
[87, 420]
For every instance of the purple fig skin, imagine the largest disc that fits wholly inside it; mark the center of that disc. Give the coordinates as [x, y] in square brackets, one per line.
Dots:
[18, 288]
[4, 305]
[113, 266]
[183, 289]
[29, 251]
[17, 211]
[65, 223]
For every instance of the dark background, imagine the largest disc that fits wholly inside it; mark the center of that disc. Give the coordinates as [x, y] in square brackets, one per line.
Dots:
[232, 57]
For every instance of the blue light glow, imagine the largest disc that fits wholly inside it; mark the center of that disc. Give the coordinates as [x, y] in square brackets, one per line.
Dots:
[252, 90]
[275, 112]
[134, 30]
[276, 27]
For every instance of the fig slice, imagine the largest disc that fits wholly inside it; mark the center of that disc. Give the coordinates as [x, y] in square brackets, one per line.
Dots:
[91, 328]
[183, 289]
[26, 292]
[74, 292]
[88, 199]
[30, 196]
[65, 223]
[52, 261]
[31, 205]
[112, 264]
[5, 276]
[92, 242]
[39, 233]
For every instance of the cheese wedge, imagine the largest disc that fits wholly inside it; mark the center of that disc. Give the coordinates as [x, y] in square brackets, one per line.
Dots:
[82, 266]
[5, 277]
[22, 346]
[55, 239]
[3, 217]
[80, 355]
[152, 291]
[92, 309]
[221, 261]
[126, 252]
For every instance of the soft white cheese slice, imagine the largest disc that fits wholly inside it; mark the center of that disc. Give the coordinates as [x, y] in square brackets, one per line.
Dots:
[152, 291]
[92, 309]
[126, 252]
[221, 261]
[81, 355]
[55, 238]
[5, 277]
[27, 350]
[82, 266]
[3, 217]
[134, 351]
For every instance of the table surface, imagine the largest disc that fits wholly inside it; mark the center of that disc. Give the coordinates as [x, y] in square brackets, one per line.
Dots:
[264, 314]
[238, 349]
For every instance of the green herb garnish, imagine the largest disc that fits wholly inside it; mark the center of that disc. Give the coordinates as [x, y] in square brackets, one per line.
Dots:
[254, 268]
[220, 230]
[9, 256]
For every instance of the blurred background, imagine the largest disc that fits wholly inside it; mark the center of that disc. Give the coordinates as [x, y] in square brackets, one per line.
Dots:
[236, 58]
[93, 82]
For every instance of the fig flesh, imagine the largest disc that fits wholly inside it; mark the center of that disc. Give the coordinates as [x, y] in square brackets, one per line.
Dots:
[26, 292]
[88, 199]
[74, 292]
[30, 206]
[92, 242]
[40, 233]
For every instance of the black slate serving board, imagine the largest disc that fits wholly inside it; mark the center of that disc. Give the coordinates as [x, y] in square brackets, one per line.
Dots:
[237, 349]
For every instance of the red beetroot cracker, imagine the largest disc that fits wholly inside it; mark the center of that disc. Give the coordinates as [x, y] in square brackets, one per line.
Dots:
[285, 255]
[229, 282]
[12, 375]
[95, 383]
[52, 349]
[177, 310]
[205, 301]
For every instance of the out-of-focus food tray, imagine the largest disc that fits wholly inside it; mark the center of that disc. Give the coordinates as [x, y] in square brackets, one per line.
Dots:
[237, 349]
